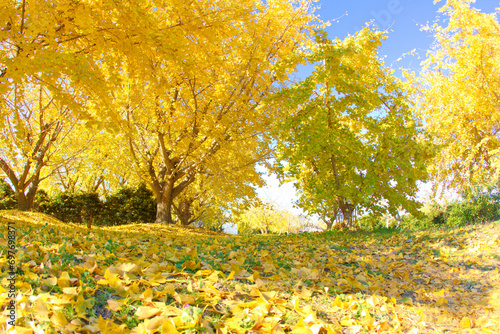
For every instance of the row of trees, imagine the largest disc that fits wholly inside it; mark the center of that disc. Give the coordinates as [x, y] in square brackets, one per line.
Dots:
[188, 96]
[103, 94]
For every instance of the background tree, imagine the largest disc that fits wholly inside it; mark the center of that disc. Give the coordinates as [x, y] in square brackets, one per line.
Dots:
[34, 130]
[328, 212]
[349, 139]
[459, 93]
[220, 190]
[266, 218]
[96, 168]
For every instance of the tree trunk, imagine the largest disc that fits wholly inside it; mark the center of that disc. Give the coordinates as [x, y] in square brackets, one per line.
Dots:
[23, 202]
[398, 218]
[164, 208]
[329, 224]
[184, 213]
[347, 210]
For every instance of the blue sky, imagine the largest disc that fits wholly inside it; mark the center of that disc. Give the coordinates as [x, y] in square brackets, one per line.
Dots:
[403, 19]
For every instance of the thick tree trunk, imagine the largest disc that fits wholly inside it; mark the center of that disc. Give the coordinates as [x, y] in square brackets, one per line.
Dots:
[164, 208]
[24, 203]
[347, 210]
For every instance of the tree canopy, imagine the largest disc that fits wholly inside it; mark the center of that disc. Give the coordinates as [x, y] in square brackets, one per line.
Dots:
[348, 136]
[459, 96]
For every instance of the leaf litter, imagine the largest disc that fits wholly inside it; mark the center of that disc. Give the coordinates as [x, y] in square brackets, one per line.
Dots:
[168, 279]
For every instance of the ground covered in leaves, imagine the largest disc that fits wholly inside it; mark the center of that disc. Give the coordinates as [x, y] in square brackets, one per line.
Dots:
[164, 279]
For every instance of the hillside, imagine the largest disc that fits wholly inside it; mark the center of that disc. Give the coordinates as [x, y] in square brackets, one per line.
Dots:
[167, 279]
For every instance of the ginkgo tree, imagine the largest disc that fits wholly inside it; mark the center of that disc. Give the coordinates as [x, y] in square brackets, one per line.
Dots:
[266, 217]
[349, 138]
[201, 110]
[215, 193]
[459, 96]
[34, 131]
[54, 57]
[95, 169]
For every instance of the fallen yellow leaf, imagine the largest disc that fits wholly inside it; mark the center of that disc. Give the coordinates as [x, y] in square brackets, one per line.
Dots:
[145, 312]
[465, 323]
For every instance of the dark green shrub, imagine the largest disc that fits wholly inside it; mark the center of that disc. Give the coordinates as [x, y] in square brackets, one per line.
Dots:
[476, 206]
[90, 207]
[42, 200]
[63, 207]
[129, 205]
[70, 207]
[438, 217]
[8, 199]
[371, 222]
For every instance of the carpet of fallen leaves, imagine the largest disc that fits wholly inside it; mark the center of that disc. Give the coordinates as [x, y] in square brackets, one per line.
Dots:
[166, 279]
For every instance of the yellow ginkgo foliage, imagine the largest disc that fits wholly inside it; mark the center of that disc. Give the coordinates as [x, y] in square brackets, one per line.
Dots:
[196, 107]
[460, 96]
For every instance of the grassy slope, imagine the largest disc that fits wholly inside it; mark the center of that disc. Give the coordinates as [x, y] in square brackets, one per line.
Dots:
[147, 279]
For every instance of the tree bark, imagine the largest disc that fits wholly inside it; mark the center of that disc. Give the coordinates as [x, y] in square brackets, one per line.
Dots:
[23, 202]
[184, 212]
[347, 210]
[329, 224]
[164, 208]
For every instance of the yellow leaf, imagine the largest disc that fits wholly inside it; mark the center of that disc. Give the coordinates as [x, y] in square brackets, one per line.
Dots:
[145, 312]
[193, 253]
[348, 323]
[337, 302]
[20, 330]
[368, 319]
[155, 322]
[59, 319]
[32, 275]
[63, 281]
[465, 323]
[114, 305]
[50, 281]
[213, 277]
[302, 330]
[148, 294]
[184, 299]
[254, 276]
[169, 289]
[441, 301]
[230, 276]
[191, 265]
[168, 327]
[128, 267]
[41, 312]
[70, 291]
